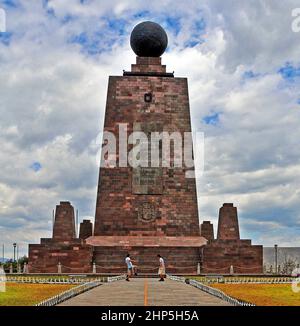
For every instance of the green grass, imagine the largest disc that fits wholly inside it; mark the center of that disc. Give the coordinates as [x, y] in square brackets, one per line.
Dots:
[19, 294]
[262, 294]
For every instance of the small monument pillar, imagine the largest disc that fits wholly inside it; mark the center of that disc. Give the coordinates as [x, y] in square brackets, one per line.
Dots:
[86, 229]
[207, 230]
[228, 227]
[64, 223]
[71, 252]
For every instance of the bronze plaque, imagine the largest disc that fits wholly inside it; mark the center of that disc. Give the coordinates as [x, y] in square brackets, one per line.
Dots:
[147, 181]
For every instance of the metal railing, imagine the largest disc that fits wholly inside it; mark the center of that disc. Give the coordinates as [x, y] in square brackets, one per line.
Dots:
[69, 294]
[243, 280]
[115, 278]
[215, 292]
[53, 280]
[219, 294]
[59, 298]
[176, 278]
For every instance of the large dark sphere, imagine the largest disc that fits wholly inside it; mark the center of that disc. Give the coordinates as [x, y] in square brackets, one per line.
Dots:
[148, 39]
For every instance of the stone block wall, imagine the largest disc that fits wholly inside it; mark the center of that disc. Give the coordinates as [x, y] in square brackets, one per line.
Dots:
[147, 201]
[207, 230]
[228, 226]
[220, 255]
[178, 260]
[228, 251]
[74, 257]
[86, 229]
[73, 254]
[64, 223]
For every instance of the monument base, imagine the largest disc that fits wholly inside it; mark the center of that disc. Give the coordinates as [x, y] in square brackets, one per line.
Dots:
[182, 254]
[232, 257]
[73, 257]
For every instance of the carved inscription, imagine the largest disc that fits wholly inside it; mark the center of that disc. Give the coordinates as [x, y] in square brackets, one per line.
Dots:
[146, 212]
[147, 181]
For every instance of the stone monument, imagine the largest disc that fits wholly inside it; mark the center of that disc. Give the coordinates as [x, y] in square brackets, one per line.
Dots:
[63, 249]
[146, 210]
[228, 252]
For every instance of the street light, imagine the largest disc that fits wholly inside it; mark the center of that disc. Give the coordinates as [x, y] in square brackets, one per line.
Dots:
[276, 258]
[3, 254]
[14, 245]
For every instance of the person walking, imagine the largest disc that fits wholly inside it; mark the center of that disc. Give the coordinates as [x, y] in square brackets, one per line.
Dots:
[162, 269]
[129, 265]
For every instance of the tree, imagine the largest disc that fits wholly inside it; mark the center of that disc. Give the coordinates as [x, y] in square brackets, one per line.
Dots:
[289, 264]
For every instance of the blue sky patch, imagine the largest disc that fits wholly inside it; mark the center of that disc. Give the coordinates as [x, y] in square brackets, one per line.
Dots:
[5, 38]
[141, 14]
[118, 25]
[36, 166]
[212, 119]
[101, 39]
[9, 3]
[289, 72]
[90, 45]
[197, 35]
[249, 74]
[173, 23]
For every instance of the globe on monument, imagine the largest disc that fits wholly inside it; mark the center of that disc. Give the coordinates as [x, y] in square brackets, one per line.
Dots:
[148, 39]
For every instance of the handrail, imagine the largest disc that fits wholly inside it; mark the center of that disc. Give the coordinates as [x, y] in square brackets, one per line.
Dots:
[219, 294]
[76, 291]
[69, 294]
[215, 292]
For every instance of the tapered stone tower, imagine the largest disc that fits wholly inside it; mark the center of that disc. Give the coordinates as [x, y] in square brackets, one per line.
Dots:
[147, 210]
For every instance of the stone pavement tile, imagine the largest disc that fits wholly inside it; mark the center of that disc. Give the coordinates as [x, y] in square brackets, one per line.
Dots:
[122, 293]
[119, 293]
[171, 293]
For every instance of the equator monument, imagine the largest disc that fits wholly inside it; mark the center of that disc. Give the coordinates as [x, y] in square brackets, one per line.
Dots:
[146, 209]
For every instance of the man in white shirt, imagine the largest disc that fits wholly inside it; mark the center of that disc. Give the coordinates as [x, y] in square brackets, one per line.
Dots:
[129, 267]
[162, 269]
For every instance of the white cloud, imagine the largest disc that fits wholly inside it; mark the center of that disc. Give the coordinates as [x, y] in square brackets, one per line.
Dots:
[52, 99]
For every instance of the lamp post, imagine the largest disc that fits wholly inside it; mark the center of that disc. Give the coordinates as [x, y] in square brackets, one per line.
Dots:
[14, 245]
[276, 258]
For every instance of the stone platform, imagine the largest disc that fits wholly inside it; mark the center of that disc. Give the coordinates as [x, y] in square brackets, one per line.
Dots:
[145, 292]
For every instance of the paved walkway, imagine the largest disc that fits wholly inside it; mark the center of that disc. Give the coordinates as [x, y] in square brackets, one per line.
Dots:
[145, 292]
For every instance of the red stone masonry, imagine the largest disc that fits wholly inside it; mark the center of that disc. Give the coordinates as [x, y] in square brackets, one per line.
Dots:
[228, 250]
[64, 223]
[117, 205]
[74, 255]
[207, 230]
[86, 229]
[138, 216]
[146, 211]
[228, 227]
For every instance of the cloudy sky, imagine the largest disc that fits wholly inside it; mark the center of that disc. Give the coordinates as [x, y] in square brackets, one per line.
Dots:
[243, 63]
